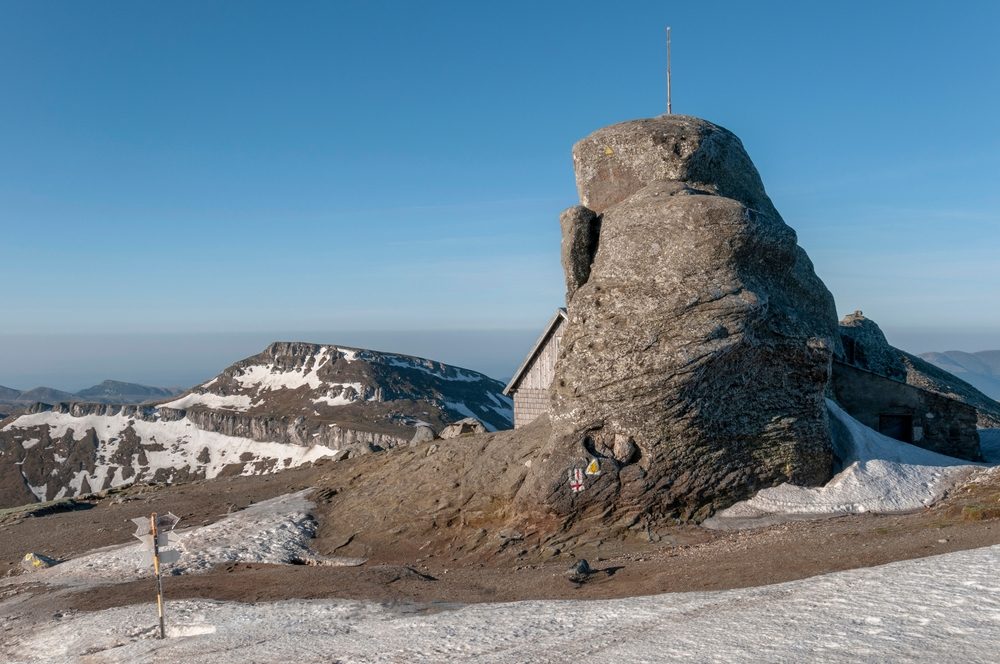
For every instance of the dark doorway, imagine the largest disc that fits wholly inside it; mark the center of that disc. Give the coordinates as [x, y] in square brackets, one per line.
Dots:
[899, 427]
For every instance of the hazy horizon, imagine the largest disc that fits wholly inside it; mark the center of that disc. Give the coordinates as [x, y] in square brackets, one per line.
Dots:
[73, 362]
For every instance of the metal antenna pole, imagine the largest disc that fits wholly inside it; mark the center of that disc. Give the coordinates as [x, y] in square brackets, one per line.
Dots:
[670, 108]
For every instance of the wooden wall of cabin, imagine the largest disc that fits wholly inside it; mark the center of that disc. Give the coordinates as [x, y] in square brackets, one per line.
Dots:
[531, 398]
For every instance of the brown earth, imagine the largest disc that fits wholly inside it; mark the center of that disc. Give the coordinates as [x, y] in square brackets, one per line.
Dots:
[434, 545]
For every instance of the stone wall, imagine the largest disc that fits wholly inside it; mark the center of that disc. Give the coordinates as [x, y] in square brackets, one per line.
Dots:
[939, 424]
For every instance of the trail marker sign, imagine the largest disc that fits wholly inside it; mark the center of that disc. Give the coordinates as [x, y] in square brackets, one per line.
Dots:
[158, 536]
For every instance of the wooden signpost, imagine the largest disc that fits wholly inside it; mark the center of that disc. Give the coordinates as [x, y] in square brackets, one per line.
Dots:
[156, 532]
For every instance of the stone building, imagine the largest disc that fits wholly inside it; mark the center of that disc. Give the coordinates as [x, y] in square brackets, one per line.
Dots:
[905, 412]
[530, 385]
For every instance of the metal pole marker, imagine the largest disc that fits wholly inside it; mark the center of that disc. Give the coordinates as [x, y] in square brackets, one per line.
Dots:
[157, 533]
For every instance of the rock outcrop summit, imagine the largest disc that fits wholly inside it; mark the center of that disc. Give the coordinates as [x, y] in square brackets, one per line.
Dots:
[699, 339]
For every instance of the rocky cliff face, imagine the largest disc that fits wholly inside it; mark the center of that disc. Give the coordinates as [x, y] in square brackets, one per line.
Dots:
[292, 404]
[699, 339]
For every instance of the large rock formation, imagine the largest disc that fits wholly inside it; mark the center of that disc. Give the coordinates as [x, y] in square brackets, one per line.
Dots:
[699, 339]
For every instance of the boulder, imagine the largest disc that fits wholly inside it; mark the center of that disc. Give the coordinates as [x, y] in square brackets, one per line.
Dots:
[579, 571]
[423, 434]
[33, 562]
[698, 345]
[467, 426]
[581, 228]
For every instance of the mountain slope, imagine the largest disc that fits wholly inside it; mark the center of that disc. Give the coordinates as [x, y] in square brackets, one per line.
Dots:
[291, 404]
[46, 395]
[923, 374]
[981, 370]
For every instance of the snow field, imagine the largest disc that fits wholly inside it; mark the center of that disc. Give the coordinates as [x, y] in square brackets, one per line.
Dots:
[943, 608]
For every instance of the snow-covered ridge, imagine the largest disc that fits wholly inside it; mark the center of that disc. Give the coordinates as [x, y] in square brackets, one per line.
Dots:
[313, 380]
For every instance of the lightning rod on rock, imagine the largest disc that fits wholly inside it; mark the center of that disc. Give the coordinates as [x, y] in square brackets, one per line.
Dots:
[670, 108]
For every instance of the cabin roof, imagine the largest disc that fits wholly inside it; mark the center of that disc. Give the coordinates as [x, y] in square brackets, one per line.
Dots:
[550, 327]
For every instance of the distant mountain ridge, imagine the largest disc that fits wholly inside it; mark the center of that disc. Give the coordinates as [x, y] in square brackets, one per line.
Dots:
[109, 391]
[981, 369]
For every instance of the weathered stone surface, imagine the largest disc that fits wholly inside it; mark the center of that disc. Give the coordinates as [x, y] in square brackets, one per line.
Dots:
[866, 347]
[615, 162]
[697, 352]
[467, 426]
[423, 434]
[581, 228]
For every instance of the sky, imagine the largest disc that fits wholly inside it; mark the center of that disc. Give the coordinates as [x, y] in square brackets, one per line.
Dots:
[182, 182]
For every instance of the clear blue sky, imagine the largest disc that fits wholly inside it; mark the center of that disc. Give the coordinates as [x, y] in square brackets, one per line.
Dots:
[318, 169]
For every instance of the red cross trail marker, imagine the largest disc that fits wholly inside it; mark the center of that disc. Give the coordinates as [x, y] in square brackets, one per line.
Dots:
[155, 532]
[576, 480]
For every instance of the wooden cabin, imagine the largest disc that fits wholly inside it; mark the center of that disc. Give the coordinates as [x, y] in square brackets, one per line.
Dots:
[530, 385]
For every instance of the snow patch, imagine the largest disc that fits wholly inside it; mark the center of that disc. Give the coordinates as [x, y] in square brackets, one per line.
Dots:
[31, 442]
[267, 377]
[349, 354]
[343, 396]
[427, 367]
[240, 402]
[40, 491]
[272, 531]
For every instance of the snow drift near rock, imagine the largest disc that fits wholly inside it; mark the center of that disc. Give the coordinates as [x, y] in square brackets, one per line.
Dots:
[879, 474]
